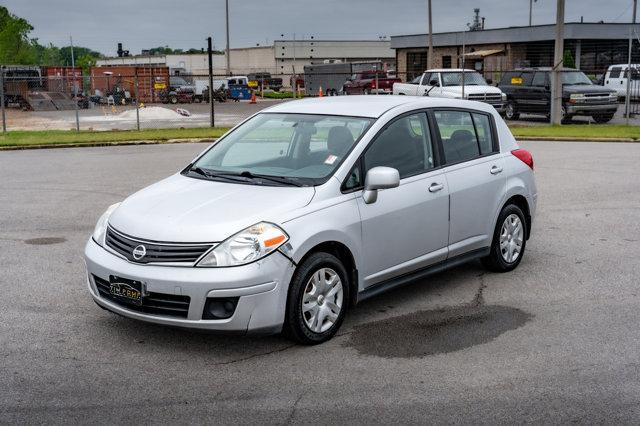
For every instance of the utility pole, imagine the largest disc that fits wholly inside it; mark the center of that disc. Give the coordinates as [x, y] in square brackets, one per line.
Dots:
[531, 11]
[228, 50]
[293, 69]
[4, 118]
[635, 10]
[463, 47]
[430, 54]
[75, 85]
[556, 72]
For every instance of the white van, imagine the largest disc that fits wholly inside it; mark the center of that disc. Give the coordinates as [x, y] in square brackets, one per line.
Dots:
[616, 79]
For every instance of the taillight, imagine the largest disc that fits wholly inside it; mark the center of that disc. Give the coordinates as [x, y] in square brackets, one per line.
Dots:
[524, 156]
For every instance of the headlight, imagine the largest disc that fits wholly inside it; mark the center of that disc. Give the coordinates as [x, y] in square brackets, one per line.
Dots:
[246, 246]
[101, 227]
[504, 96]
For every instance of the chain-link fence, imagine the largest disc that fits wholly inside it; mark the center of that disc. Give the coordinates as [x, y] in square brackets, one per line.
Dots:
[149, 97]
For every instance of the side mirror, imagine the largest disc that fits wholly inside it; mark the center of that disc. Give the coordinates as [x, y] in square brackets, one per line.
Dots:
[489, 81]
[379, 178]
[434, 83]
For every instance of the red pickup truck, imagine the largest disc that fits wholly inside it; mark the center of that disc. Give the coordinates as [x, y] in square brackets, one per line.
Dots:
[365, 83]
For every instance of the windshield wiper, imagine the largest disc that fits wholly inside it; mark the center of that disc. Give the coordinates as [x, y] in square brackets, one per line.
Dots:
[278, 179]
[212, 174]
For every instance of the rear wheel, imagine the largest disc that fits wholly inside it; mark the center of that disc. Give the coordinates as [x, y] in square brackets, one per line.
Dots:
[603, 118]
[509, 240]
[510, 111]
[318, 299]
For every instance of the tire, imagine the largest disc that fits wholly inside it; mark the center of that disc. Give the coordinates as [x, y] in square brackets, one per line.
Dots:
[603, 118]
[503, 236]
[365, 92]
[173, 100]
[564, 118]
[300, 323]
[510, 111]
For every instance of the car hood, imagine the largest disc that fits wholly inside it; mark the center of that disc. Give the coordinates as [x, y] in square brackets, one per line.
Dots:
[583, 88]
[471, 89]
[184, 209]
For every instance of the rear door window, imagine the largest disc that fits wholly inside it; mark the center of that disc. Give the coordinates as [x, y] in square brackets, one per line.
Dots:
[465, 135]
[458, 136]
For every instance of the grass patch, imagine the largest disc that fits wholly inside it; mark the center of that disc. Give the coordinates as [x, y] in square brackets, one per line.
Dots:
[279, 95]
[61, 137]
[578, 131]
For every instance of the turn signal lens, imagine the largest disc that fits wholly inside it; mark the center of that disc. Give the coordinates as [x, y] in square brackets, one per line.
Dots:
[246, 246]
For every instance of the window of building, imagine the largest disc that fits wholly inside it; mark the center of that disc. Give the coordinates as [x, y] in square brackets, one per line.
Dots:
[416, 64]
[446, 61]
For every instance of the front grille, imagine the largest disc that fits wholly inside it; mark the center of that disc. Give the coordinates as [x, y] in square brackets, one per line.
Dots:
[490, 98]
[155, 252]
[598, 98]
[152, 303]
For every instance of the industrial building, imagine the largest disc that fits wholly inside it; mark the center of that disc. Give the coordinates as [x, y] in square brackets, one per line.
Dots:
[284, 57]
[591, 47]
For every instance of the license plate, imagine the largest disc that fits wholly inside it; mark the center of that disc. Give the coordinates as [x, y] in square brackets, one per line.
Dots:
[129, 291]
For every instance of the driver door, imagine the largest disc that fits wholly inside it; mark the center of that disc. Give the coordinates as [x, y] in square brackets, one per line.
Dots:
[407, 228]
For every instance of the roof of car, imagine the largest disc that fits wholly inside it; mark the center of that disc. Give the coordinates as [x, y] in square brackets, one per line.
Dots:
[449, 70]
[370, 106]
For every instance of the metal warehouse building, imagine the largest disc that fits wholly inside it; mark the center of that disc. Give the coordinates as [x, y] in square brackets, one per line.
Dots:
[284, 57]
[591, 47]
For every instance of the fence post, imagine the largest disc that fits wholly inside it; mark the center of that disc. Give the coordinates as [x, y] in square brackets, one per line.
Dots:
[211, 100]
[627, 101]
[75, 85]
[137, 100]
[4, 118]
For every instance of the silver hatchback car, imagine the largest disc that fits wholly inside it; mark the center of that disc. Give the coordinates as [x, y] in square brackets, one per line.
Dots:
[309, 207]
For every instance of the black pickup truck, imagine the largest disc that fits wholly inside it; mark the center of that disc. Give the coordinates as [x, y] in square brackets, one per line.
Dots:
[528, 91]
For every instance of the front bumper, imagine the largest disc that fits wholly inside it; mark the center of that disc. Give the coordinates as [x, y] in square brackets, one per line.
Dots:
[261, 287]
[585, 109]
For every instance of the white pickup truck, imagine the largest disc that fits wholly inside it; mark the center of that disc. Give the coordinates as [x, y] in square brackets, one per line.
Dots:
[447, 83]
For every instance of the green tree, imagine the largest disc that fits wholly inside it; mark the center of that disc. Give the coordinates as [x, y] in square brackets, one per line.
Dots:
[15, 45]
[568, 59]
[85, 62]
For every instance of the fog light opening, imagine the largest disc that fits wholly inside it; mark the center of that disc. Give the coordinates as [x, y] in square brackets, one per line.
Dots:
[220, 307]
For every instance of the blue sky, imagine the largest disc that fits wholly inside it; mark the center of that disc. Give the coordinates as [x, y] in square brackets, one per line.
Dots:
[139, 24]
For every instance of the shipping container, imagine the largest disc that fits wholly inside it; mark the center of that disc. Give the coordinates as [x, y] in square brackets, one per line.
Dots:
[120, 79]
[63, 79]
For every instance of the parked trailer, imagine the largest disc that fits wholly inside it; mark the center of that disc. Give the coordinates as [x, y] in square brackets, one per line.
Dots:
[117, 80]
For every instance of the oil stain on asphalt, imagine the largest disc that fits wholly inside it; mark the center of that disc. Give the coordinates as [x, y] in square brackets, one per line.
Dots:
[434, 332]
[45, 241]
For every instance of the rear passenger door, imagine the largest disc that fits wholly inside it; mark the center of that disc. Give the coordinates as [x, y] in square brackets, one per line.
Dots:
[473, 168]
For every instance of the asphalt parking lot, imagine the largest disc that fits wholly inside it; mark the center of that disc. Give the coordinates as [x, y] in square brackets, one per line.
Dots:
[555, 341]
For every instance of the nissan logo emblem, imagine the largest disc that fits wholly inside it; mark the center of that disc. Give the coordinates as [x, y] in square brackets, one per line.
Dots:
[139, 252]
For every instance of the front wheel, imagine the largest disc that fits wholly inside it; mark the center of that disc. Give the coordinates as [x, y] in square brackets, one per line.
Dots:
[510, 111]
[317, 300]
[509, 240]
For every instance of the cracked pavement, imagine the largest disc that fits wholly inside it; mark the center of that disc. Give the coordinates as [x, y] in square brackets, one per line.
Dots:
[555, 341]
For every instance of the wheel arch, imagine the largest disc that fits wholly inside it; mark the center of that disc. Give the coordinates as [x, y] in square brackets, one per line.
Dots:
[345, 255]
[522, 203]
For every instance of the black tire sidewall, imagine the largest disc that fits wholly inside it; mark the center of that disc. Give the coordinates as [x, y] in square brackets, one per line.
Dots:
[295, 326]
[495, 260]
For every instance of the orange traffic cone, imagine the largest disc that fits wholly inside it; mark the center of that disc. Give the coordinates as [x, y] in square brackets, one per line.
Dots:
[320, 92]
[253, 97]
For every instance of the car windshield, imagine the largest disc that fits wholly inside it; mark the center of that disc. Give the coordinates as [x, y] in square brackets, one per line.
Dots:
[471, 78]
[282, 149]
[575, 77]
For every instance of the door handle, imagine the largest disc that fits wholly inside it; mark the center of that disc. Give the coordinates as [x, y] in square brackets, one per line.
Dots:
[495, 170]
[435, 187]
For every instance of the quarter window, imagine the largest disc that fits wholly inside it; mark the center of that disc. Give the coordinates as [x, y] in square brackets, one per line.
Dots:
[615, 72]
[484, 134]
[405, 145]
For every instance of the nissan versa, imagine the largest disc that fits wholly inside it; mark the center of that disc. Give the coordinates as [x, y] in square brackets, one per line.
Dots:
[311, 206]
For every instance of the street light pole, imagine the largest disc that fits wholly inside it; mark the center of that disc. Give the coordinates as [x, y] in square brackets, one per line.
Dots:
[430, 54]
[75, 84]
[556, 73]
